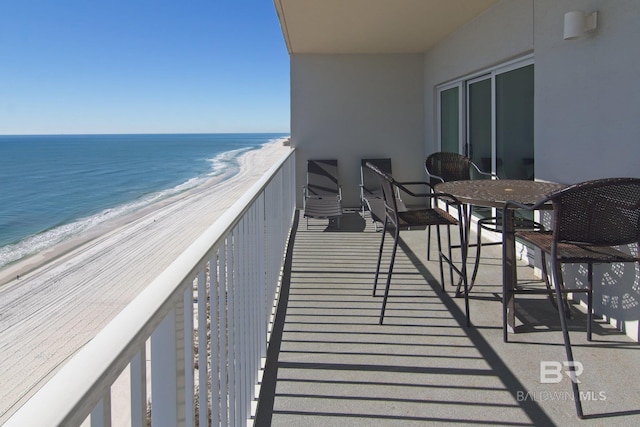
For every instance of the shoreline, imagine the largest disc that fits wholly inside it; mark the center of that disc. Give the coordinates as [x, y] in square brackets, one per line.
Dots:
[74, 289]
[21, 268]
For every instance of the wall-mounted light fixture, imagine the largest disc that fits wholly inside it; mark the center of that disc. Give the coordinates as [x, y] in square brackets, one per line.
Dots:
[577, 23]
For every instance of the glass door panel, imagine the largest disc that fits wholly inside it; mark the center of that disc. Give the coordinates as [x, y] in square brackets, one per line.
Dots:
[514, 123]
[480, 123]
[450, 120]
[514, 126]
[480, 130]
[489, 118]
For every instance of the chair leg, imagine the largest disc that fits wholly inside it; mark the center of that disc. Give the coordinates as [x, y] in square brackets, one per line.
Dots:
[565, 301]
[505, 299]
[464, 243]
[567, 341]
[589, 300]
[386, 289]
[375, 223]
[439, 239]
[375, 280]
[429, 243]
[477, 260]
[552, 298]
[545, 276]
[464, 252]
[450, 254]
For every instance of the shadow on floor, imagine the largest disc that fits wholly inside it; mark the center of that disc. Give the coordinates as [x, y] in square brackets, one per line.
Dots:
[330, 363]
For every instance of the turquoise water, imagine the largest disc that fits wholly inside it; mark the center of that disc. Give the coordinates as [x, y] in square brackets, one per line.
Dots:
[53, 187]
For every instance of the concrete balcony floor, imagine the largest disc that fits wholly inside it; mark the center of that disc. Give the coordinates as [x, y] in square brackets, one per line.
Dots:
[331, 364]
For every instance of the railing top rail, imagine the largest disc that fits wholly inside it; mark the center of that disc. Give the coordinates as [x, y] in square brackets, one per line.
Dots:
[67, 398]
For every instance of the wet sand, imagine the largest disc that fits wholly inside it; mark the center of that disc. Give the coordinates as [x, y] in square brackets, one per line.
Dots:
[66, 294]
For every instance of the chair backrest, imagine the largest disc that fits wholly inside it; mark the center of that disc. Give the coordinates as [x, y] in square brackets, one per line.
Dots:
[369, 179]
[445, 167]
[322, 177]
[600, 212]
[386, 183]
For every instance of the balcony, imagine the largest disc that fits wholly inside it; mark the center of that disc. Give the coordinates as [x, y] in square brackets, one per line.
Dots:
[334, 365]
[318, 356]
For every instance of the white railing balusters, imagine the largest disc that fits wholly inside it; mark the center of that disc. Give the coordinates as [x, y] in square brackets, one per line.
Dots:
[234, 270]
[232, 329]
[241, 269]
[138, 373]
[203, 301]
[240, 316]
[213, 359]
[261, 276]
[101, 414]
[245, 334]
[256, 290]
[253, 291]
[187, 360]
[222, 319]
[163, 371]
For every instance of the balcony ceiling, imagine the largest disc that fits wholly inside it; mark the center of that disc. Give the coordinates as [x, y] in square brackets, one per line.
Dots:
[372, 26]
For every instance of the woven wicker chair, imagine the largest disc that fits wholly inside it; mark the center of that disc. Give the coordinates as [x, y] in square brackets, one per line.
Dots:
[414, 218]
[589, 220]
[447, 167]
[322, 195]
[371, 198]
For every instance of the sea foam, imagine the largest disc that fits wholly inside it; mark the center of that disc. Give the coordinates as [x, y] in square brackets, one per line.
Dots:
[224, 164]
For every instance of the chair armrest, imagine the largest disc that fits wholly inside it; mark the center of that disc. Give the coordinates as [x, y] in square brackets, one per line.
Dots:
[430, 175]
[305, 193]
[403, 187]
[481, 172]
[433, 194]
[510, 204]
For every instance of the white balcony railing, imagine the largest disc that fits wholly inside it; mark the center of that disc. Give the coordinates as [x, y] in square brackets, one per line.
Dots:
[216, 298]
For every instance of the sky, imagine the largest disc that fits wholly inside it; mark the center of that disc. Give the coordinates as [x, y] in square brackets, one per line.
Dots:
[142, 66]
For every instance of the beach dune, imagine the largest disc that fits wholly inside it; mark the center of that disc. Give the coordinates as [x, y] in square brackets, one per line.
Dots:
[64, 296]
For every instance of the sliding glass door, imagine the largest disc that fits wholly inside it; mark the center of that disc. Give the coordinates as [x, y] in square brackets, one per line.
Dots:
[449, 119]
[492, 122]
[480, 123]
[514, 123]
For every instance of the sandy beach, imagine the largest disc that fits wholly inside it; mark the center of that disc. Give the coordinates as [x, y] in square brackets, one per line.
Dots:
[65, 295]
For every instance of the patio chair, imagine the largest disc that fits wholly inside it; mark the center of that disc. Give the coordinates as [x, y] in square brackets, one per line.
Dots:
[446, 167]
[371, 198]
[414, 218]
[590, 220]
[322, 196]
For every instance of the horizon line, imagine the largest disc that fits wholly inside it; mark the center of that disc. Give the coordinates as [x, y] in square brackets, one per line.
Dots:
[142, 133]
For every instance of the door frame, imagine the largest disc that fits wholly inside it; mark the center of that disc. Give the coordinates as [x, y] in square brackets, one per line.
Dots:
[462, 85]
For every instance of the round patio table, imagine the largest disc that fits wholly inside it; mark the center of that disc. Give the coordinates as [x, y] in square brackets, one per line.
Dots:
[494, 193]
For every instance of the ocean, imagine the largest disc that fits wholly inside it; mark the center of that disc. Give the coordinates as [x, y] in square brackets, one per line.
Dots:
[53, 187]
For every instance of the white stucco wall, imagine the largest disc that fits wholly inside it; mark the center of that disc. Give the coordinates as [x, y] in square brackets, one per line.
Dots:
[587, 126]
[500, 34]
[587, 99]
[587, 92]
[357, 106]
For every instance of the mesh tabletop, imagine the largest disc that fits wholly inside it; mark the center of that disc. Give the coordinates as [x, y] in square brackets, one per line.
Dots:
[495, 192]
